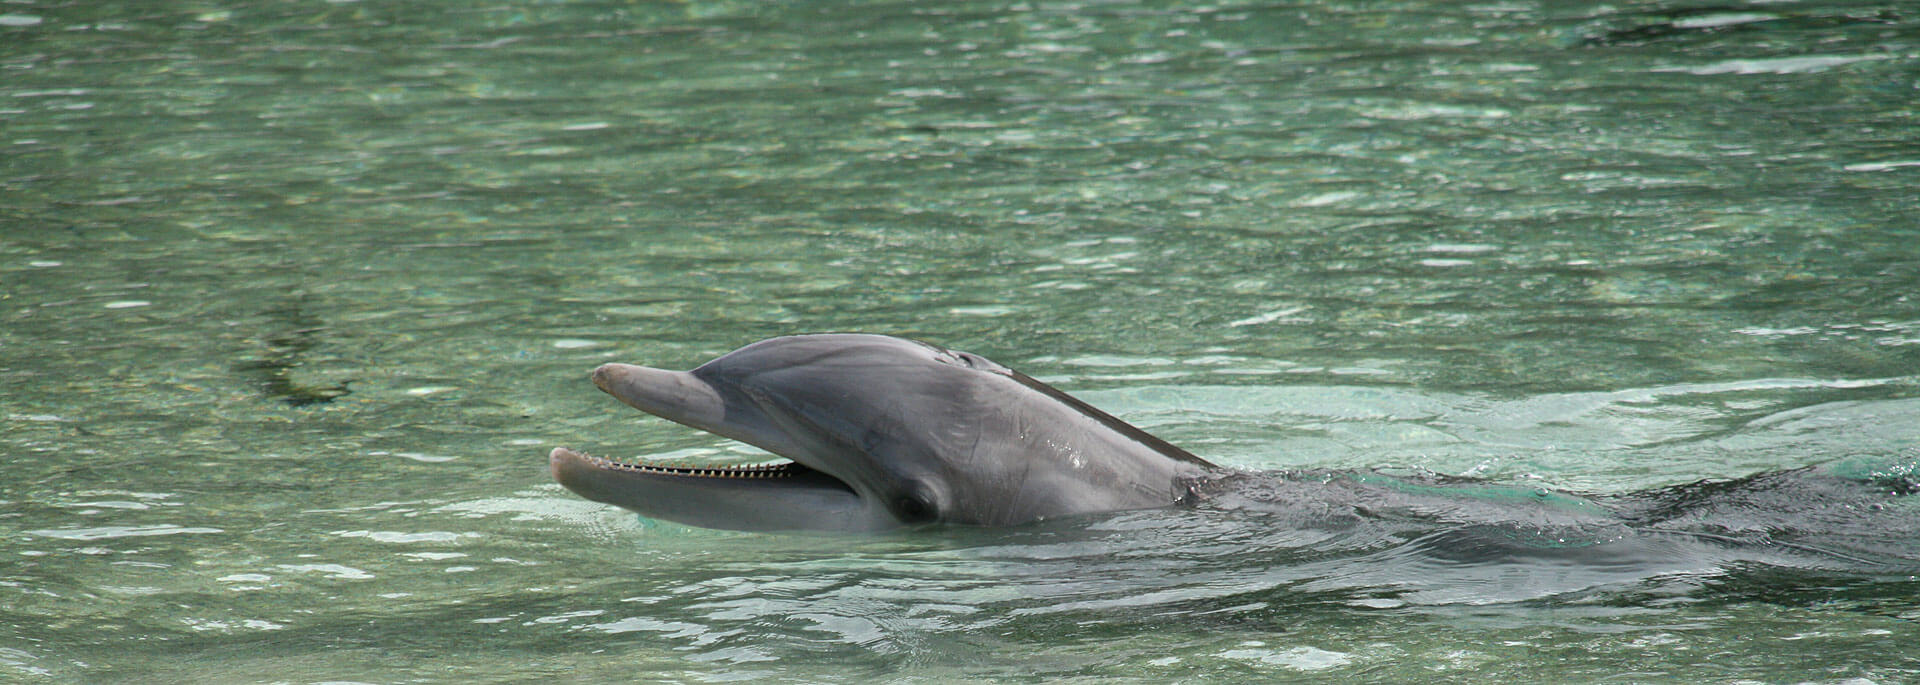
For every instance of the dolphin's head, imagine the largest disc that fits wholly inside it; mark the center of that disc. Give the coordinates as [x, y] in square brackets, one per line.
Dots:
[881, 432]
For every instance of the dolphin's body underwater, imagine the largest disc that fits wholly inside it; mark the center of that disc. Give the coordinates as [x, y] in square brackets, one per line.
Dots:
[885, 433]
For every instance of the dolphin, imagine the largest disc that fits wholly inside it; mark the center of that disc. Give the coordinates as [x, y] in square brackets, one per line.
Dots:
[879, 433]
[882, 433]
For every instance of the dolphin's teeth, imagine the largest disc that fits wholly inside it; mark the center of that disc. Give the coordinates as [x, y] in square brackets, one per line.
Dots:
[685, 470]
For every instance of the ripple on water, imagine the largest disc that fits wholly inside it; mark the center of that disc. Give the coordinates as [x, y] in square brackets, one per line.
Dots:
[1295, 658]
[332, 571]
[110, 532]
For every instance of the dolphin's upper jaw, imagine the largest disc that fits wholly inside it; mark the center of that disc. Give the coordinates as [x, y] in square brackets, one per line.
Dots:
[785, 494]
[687, 399]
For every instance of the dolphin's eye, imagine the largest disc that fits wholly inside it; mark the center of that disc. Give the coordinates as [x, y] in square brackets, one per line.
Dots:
[913, 508]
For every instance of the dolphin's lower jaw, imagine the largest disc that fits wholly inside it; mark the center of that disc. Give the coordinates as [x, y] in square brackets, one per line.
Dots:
[785, 496]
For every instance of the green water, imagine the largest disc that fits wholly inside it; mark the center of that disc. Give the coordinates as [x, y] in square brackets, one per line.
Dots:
[294, 298]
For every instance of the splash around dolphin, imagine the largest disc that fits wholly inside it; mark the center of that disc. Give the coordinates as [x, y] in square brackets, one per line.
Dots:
[879, 432]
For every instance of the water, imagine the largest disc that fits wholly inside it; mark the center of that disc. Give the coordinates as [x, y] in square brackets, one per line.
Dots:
[294, 297]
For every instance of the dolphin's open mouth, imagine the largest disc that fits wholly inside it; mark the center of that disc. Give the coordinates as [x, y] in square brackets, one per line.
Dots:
[586, 474]
[756, 497]
[780, 495]
[685, 398]
[786, 469]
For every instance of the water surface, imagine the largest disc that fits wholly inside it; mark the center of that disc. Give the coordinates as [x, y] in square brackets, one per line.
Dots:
[294, 298]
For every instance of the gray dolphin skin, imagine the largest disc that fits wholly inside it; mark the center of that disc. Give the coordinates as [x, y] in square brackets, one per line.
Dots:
[881, 433]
